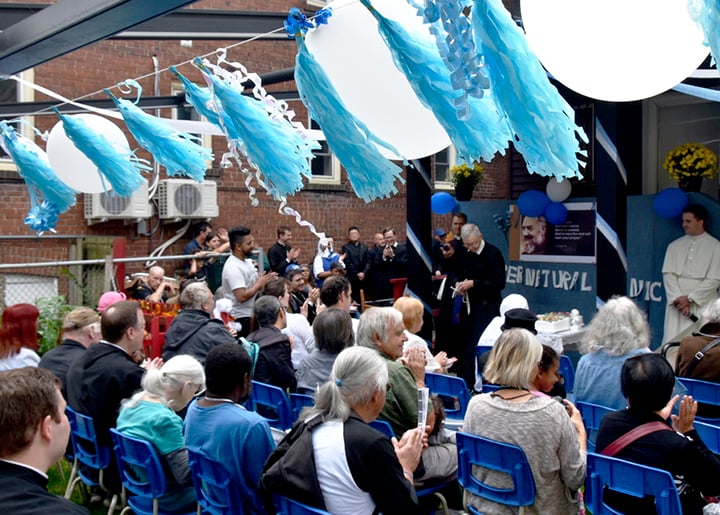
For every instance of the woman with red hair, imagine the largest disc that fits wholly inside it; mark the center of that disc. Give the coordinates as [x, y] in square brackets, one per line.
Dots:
[19, 337]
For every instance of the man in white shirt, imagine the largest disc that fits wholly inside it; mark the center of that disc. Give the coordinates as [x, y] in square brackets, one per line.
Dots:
[691, 274]
[240, 279]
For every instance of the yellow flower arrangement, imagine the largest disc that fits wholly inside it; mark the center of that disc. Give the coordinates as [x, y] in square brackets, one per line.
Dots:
[464, 175]
[691, 160]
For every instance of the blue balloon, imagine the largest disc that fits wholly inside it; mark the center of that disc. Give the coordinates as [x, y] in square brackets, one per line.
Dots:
[442, 203]
[670, 202]
[556, 213]
[533, 202]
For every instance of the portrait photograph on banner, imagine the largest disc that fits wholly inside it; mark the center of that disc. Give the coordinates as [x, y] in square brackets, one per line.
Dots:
[565, 233]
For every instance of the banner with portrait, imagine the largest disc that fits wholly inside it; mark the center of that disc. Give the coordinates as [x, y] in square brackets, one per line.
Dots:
[535, 239]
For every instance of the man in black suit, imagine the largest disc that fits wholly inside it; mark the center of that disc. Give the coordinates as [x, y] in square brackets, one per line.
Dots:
[390, 263]
[481, 279]
[34, 432]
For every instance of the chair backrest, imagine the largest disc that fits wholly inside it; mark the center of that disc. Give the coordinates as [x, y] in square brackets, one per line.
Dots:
[286, 506]
[216, 490]
[499, 456]
[709, 434]
[592, 415]
[631, 479]
[276, 403]
[489, 388]
[84, 441]
[298, 401]
[567, 369]
[383, 426]
[702, 391]
[140, 468]
[449, 388]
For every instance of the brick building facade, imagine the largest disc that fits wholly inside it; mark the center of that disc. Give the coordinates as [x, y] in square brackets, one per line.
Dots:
[331, 208]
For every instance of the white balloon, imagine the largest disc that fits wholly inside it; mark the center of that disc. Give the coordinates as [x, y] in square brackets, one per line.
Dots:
[558, 191]
[71, 165]
[360, 66]
[615, 50]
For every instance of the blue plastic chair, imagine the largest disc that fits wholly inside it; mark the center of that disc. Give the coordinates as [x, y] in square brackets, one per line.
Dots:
[452, 390]
[298, 401]
[89, 453]
[286, 506]
[383, 426]
[499, 456]
[705, 392]
[592, 415]
[277, 410]
[489, 388]
[567, 369]
[710, 435]
[216, 490]
[141, 473]
[631, 479]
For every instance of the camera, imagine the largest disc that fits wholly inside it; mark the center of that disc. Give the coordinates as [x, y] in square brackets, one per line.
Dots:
[446, 247]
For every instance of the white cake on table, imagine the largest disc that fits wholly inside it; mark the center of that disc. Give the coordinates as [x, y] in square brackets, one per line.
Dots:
[554, 322]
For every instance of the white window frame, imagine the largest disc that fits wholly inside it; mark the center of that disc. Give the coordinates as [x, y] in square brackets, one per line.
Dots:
[451, 159]
[334, 177]
[317, 3]
[25, 94]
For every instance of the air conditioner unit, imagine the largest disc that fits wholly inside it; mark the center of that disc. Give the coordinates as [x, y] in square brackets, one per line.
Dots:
[184, 198]
[100, 207]
[317, 3]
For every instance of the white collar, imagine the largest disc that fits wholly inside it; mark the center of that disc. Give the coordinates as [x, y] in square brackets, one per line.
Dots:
[481, 247]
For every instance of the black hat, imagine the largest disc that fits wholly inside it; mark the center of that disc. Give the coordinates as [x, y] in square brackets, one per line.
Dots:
[520, 318]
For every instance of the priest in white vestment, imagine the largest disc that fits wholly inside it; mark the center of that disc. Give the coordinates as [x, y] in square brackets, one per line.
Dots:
[691, 274]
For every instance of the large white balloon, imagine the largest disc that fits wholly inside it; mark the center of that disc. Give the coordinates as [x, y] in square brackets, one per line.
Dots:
[359, 64]
[558, 191]
[71, 165]
[615, 50]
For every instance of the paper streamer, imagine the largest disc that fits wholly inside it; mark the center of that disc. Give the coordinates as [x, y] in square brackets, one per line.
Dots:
[179, 152]
[543, 122]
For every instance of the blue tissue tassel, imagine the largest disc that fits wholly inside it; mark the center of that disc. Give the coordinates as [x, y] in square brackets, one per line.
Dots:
[707, 14]
[372, 176]
[179, 152]
[541, 119]
[34, 167]
[455, 42]
[118, 165]
[485, 130]
[271, 144]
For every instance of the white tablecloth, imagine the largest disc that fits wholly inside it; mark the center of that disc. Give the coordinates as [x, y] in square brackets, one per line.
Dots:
[564, 340]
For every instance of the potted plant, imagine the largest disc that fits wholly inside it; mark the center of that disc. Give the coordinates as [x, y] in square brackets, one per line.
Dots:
[689, 163]
[465, 177]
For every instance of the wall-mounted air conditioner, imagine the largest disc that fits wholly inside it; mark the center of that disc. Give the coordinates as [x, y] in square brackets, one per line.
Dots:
[185, 198]
[100, 207]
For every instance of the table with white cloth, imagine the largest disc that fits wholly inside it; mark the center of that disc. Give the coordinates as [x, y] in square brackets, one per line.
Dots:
[563, 341]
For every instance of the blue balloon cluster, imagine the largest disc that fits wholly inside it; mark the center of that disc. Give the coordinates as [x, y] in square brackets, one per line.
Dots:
[536, 203]
[670, 202]
[442, 203]
[533, 202]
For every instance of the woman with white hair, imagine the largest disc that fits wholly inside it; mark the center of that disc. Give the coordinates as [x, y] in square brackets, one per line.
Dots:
[553, 442]
[324, 259]
[151, 415]
[618, 331]
[338, 462]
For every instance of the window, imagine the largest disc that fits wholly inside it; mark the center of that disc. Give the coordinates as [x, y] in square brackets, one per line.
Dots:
[12, 92]
[443, 161]
[185, 113]
[317, 3]
[325, 167]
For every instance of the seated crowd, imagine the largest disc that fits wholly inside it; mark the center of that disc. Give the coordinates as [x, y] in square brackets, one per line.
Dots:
[358, 371]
